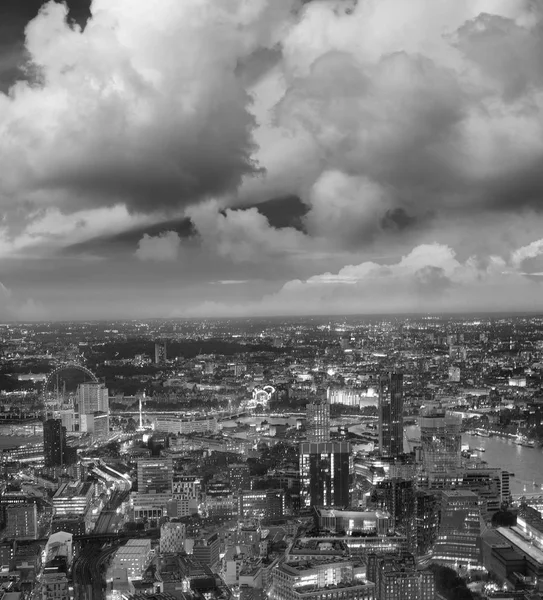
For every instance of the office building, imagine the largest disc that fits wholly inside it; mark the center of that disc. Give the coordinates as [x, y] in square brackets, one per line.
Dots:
[364, 522]
[318, 580]
[238, 474]
[155, 476]
[397, 578]
[427, 521]
[458, 542]
[152, 507]
[73, 499]
[134, 556]
[187, 493]
[441, 440]
[325, 474]
[54, 443]
[21, 522]
[160, 353]
[398, 498]
[206, 549]
[318, 421]
[261, 503]
[172, 537]
[390, 409]
[92, 397]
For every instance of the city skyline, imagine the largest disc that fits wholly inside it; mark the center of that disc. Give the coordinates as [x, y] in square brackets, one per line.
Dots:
[221, 159]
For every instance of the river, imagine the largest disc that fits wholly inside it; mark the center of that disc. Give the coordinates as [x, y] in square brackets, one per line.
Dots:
[526, 463]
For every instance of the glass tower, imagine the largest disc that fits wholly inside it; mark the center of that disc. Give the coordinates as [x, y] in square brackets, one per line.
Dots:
[441, 440]
[318, 421]
[391, 414]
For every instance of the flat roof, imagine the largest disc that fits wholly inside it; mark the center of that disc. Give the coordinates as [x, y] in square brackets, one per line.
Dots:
[521, 543]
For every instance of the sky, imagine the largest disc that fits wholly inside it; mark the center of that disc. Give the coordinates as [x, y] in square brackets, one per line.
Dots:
[270, 157]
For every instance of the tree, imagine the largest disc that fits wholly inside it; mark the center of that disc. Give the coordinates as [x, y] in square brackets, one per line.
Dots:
[504, 518]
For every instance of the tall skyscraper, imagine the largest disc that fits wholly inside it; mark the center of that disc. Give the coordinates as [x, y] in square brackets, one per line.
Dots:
[92, 397]
[318, 421]
[54, 443]
[325, 474]
[155, 476]
[441, 439]
[459, 530]
[391, 414]
[398, 497]
[160, 353]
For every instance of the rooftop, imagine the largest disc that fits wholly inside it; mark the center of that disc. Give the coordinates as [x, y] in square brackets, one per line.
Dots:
[521, 543]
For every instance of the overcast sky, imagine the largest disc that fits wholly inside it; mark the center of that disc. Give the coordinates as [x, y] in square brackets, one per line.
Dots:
[222, 157]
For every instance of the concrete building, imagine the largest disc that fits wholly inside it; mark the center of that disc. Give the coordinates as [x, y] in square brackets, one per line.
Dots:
[187, 493]
[397, 578]
[206, 549]
[73, 499]
[172, 537]
[458, 540]
[261, 503]
[92, 397]
[155, 476]
[22, 522]
[134, 556]
[319, 580]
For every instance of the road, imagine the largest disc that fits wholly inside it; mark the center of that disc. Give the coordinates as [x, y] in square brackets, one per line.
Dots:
[88, 569]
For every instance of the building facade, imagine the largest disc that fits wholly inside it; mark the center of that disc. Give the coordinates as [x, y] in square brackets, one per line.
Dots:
[318, 421]
[325, 474]
[390, 409]
[155, 476]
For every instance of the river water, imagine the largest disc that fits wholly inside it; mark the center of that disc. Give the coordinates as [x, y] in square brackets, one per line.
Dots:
[525, 463]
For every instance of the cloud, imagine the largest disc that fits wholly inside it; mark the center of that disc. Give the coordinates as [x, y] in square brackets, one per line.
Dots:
[163, 247]
[144, 106]
[13, 308]
[437, 107]
[243, 235]
[429, 279]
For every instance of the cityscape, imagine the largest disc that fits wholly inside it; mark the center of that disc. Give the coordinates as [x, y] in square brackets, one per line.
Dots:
[373, 458]
[271, 300]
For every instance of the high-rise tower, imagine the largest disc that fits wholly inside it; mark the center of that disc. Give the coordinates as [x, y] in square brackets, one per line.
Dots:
[92, 397]
[54, 443]
[391, 414]
[318, 421]
[441, 440]
[325, 473]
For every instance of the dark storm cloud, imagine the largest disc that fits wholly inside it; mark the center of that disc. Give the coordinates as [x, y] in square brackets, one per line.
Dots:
[14, 16]
[280, 212]
[145, 109]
